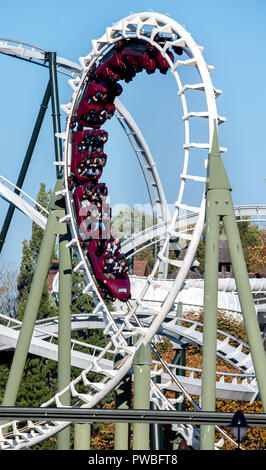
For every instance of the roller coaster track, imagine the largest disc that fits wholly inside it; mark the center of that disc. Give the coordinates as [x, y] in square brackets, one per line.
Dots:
[36, 55]
[235, 386]
[44, 344]
[130, 324]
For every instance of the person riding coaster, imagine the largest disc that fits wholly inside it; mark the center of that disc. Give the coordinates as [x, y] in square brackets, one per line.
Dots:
[89, 141]
[95, 115]
[86, 166]
[93, 214]
[91, 164]
[96, 104]
[131, 56]
[114, 288]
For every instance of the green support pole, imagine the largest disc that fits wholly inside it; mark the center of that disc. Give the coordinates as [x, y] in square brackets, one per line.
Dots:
[208, 398]
[82, 436]
[141, 401]
[65, 266]
[26, 162]
[122, 401]
[180, 358]
[156, 429]
[220, 209]
[217, 189]
[64, 329]
[55, 110]
[247, 303]
[30, 315]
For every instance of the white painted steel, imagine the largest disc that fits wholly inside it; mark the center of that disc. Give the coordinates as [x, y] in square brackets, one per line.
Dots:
[22, 50]
[25, 206]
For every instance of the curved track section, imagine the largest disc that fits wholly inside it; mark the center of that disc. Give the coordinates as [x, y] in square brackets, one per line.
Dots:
[23, 202]
[36, 55]
[145, 27]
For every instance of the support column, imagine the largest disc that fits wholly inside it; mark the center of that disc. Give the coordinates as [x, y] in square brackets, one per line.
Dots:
[64, 330]
[220, 208]
[156, 429]
[218, 188]
[55, 110]
[123, 401]
[208, 395]
[82, 436]
[247, 303]
[142, 362]
[179, 359]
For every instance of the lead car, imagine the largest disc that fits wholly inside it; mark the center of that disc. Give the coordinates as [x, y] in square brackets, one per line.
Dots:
[109, 288]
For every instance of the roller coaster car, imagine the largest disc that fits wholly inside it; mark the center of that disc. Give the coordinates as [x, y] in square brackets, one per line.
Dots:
[78, 158]
[112, 67]
[104, 72]
[162, 63]
[135, 54]
[99, 93]
[116, 288]
[95, 91]
[82, 193]
[90, 114]
[146, 55]
[96, 115]
[90, 140]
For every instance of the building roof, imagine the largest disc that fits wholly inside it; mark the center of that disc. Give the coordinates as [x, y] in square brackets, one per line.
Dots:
[141, 268]
[53, 271]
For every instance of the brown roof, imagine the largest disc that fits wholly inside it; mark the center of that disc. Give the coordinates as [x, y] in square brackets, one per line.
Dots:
[224, 255]
[53, 270]
[140, 268]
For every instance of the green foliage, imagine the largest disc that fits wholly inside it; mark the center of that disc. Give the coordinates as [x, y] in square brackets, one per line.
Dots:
[8, 291]
[250, 236]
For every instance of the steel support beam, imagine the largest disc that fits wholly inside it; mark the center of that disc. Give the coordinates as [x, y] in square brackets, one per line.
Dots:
[64, 328]
[156, 430]
[141, 398]
[82, 436]
[220, 209]
[51, 56]
[123, 402]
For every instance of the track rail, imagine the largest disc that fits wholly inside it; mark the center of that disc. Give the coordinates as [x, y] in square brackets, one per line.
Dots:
[36, 55]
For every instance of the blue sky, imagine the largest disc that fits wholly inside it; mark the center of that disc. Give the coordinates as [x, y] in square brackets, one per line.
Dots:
[234, 39]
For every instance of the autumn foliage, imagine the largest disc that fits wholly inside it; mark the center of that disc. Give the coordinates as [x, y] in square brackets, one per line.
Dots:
[254, 439]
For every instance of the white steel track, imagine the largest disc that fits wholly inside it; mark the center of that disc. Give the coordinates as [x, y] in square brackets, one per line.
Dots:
[37, 55]
[133, 26]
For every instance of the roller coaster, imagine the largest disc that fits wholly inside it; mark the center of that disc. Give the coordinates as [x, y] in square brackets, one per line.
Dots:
[144, 309]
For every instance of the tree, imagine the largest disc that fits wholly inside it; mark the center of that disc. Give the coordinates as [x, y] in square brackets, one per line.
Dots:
[8, 291]
[253, 245]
